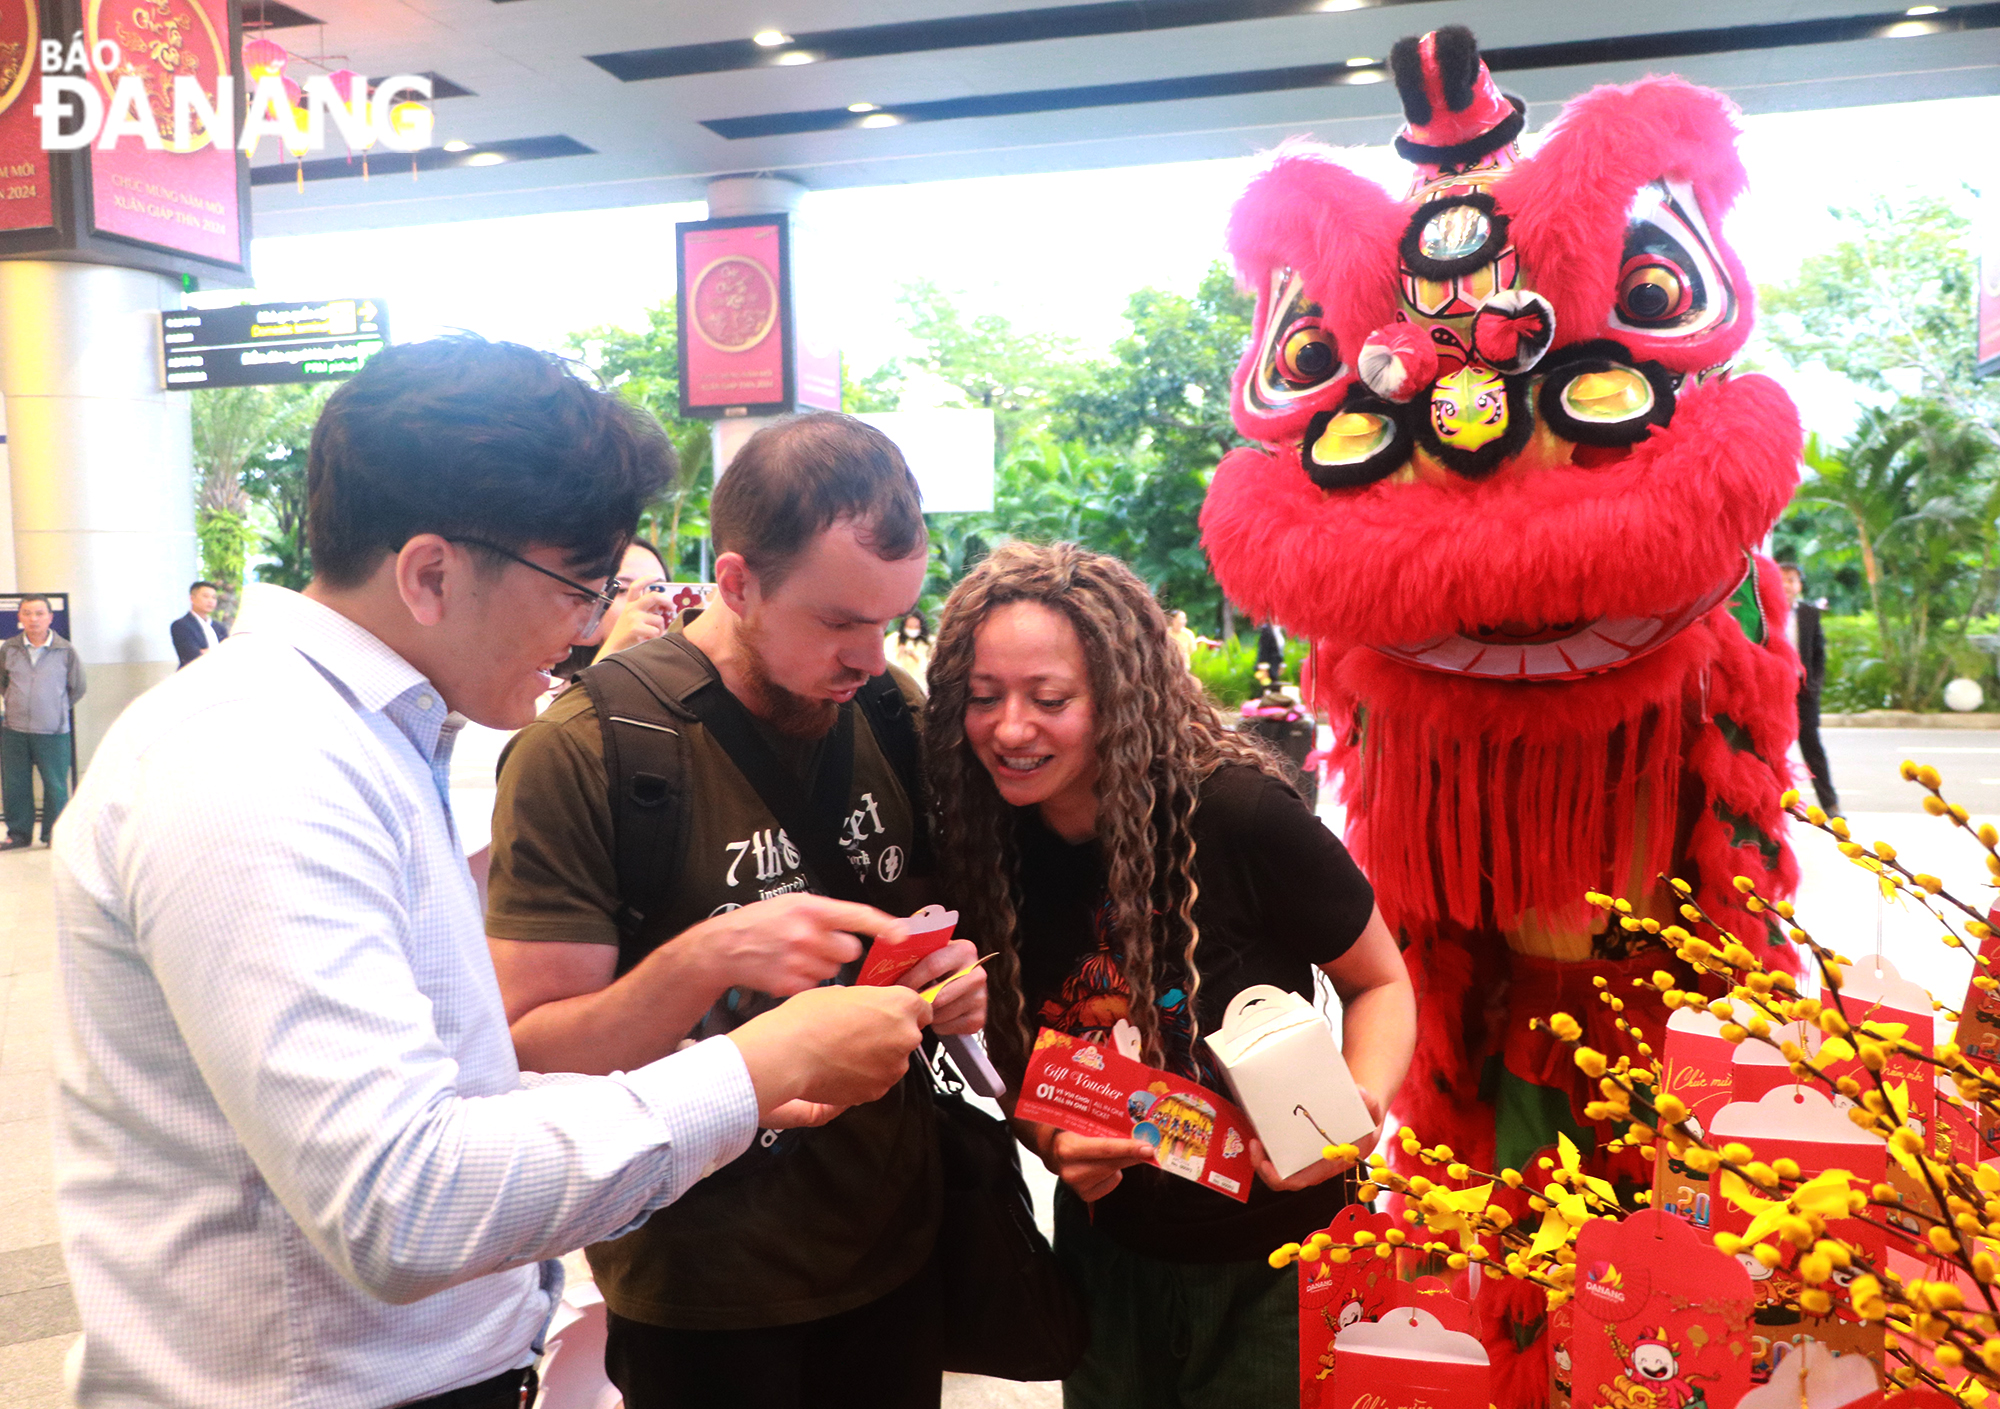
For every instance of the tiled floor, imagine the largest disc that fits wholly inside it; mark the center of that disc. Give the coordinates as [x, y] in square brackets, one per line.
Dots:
[37, 1317]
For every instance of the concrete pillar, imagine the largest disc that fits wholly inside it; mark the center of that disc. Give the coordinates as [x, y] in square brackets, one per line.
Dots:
[102, 469]
[747, 195]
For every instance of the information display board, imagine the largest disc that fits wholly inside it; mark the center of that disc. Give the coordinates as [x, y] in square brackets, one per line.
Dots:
[270, 344]
[735, 316]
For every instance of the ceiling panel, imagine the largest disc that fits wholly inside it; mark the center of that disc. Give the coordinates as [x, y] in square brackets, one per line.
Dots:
[532, 83]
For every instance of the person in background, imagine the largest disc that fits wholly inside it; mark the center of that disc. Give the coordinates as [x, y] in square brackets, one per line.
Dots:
[909, 646]
[41, 678]
[1271, 654]
[639, 613]
[1802, 629]
[198, 631]
[296, 1162]
[1133, 861]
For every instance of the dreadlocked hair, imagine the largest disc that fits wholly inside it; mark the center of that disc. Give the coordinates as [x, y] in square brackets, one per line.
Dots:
[1158, 736]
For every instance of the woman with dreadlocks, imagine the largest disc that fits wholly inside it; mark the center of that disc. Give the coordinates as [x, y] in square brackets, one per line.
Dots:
[1128, 858]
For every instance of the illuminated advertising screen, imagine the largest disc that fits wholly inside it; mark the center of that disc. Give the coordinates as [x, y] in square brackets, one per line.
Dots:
[735, 314]
[26, 201]
[182, 200]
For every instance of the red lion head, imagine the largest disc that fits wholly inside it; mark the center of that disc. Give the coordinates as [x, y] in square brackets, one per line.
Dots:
[1500, 437]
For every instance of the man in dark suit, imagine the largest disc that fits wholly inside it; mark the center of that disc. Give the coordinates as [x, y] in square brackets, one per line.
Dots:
[1271, 653]
[198, 630]
[1802, 629]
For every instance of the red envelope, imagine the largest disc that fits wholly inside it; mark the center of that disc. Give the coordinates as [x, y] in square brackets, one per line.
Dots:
[1081, 1087]
[1802, 1125]
[1873, 992]
[1409, 1361]
[1979, 1014]
[895, 952]
[1334, 1295]
[1657, 1318]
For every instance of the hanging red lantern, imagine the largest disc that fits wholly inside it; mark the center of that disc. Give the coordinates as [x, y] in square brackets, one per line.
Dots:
[264, 58]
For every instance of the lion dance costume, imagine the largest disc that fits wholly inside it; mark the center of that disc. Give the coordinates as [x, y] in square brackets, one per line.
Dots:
[1508, 488]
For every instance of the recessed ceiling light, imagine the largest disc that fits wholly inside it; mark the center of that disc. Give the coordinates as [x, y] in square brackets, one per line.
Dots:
[458, 144]
[1344, 4]
[862, 107]
[794, 56]
[1909, 29]
[880, 120]
[485, 159]
[1360, 61]
[770, 38]
[1925, 10]
[1368, 75]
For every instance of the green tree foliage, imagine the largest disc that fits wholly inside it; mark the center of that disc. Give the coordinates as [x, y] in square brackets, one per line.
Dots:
[644, 366]
[1897, 526]
[1893, 300]
[1161, 403]
[993, 365]
[1917, 490]
[1115, 453]
[239, 434]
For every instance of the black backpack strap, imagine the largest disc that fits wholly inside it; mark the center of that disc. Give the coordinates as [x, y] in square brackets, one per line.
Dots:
[645, 769]
[882, 701]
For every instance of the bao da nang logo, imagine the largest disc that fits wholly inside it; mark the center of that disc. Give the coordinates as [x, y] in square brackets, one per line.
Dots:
[96, 93]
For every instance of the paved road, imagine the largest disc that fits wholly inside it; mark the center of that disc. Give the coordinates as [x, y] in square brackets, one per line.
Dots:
[1865, 762]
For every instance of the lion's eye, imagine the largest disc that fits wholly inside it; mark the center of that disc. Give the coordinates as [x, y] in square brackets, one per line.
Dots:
[1653, 289]
[1307, 355]
[1297, 357]
[1671, 284]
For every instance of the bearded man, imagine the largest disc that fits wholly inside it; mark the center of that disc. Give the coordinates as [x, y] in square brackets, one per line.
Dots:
[668, 844]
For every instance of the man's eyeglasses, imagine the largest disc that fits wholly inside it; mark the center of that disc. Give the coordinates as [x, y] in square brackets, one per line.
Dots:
[601, 598]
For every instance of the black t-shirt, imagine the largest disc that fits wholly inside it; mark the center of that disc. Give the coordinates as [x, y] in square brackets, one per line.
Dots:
[1279, 894]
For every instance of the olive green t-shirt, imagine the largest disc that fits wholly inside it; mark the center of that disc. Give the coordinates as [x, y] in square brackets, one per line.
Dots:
[808, 1223]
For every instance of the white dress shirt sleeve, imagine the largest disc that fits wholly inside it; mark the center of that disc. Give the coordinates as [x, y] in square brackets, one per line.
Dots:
[291, 968]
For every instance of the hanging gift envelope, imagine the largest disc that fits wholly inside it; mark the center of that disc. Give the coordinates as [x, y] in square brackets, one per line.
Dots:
[1657, 1319]
[1335, 1295]
[1810, 1376]
[1874, 994]
[1696, 1064]
[1287, 1074]
[1979, 1014]
[1436, 1296]
[1800, 1124]
[1562, 1364]
[1758, 1067]
[1408, 1361]
[1091, 1090]
[897, 949]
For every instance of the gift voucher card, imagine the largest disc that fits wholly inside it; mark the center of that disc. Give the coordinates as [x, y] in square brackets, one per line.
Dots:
[1086, 1089]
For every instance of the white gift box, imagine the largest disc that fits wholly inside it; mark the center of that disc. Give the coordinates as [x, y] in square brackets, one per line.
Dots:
[1286, 1072]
